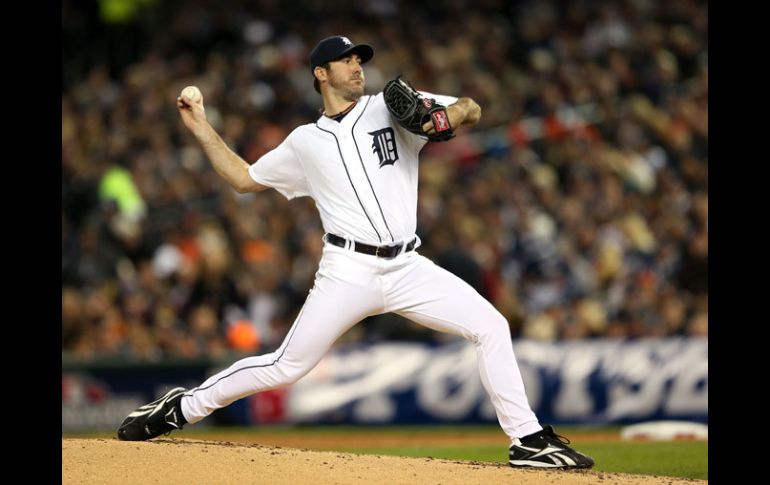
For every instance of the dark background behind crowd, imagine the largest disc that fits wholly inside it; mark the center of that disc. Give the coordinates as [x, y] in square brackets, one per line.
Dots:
[578, 205]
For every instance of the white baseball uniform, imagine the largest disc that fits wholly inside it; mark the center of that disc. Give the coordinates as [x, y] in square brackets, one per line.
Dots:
[362, 174]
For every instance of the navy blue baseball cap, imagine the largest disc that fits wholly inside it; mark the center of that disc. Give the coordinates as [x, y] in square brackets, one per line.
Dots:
[335, 47]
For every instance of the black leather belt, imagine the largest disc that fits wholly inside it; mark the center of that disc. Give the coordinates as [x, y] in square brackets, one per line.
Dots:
[386, 252]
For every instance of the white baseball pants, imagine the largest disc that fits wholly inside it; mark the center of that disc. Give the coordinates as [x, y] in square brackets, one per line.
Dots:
[350, 286]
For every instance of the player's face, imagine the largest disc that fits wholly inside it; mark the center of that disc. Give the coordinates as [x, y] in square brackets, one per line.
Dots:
[347, 77]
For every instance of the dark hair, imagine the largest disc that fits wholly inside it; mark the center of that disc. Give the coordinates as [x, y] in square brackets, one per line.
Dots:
[316, 84]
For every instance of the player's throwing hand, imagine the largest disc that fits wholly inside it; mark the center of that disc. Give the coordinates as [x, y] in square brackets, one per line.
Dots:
[190, 104]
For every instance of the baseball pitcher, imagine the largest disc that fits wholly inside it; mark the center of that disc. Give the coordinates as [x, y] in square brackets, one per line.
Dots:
[359, 162]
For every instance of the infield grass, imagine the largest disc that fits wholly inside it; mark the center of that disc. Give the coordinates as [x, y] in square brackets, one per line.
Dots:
[671, 459]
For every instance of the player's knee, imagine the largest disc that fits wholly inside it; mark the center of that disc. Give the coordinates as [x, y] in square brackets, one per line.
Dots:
[291, 373]
[496, 326]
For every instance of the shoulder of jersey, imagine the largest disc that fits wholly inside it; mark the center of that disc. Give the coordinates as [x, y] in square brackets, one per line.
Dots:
[377, 100]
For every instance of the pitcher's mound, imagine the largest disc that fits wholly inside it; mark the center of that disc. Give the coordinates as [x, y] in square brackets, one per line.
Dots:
[169, 461]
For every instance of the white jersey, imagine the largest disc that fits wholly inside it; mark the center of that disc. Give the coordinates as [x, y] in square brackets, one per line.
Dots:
[362, 172]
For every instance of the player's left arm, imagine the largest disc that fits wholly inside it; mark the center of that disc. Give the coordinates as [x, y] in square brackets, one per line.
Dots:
[464, 111]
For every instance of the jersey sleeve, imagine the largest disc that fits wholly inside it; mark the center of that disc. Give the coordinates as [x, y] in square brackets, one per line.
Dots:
[443, 99]
[281, 169]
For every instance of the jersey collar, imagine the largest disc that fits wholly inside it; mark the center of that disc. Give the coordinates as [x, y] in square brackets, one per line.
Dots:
[329, 124]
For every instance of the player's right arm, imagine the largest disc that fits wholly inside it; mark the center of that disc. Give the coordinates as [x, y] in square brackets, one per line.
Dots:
[227, 163]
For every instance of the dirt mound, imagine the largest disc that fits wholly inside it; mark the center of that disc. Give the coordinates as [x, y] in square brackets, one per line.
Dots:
[108, 461]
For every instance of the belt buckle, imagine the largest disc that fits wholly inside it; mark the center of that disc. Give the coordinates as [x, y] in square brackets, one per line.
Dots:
[377, 252]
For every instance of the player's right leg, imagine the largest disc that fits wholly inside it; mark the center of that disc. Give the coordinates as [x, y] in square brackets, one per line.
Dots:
[346, 290]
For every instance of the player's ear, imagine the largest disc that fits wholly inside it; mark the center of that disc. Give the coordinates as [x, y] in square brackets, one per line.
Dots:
[320, 73]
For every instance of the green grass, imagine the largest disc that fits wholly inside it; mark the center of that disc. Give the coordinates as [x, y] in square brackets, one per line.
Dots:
[672, 459]
[686, 459]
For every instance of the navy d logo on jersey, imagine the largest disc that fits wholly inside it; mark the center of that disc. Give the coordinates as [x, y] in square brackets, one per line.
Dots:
[384, 145]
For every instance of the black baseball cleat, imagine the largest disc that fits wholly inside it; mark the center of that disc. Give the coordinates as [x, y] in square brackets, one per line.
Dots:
[546, 449]
[159, 417]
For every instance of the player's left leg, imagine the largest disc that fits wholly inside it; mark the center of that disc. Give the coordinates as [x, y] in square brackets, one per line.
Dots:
[431, 296]
[418, 289]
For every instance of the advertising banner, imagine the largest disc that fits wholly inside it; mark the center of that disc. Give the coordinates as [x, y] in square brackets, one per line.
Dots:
[581, 382]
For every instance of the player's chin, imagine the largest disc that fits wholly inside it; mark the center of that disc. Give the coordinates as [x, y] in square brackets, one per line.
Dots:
[356, 91]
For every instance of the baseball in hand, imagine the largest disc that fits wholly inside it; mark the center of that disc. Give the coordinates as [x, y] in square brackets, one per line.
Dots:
[192, 93]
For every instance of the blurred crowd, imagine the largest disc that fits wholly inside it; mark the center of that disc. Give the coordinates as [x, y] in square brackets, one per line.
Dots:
[578, 205]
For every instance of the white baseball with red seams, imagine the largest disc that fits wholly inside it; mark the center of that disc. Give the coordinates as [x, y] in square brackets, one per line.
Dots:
[192, 93]
[362, 173]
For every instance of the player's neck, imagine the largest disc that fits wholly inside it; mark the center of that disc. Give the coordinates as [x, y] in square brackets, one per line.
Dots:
[335, 106]
[338, 116]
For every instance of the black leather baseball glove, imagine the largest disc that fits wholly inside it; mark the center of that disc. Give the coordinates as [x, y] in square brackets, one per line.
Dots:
[412, 110]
